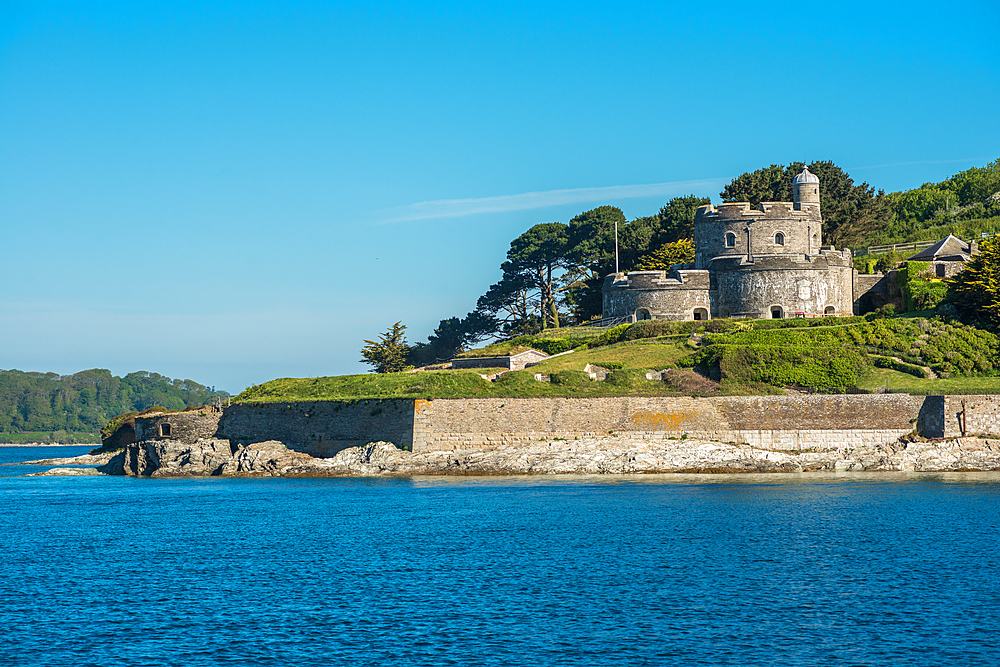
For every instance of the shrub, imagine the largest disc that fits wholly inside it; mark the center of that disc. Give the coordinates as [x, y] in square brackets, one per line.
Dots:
[893, 364]
[816, 367]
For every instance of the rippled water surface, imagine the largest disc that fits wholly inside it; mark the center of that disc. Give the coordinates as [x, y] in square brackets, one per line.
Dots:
[752, 570]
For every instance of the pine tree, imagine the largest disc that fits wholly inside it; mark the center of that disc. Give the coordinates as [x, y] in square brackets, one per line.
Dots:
[389, 354]
[975, 291]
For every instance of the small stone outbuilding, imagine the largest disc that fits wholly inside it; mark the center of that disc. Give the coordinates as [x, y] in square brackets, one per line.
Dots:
[946, 257]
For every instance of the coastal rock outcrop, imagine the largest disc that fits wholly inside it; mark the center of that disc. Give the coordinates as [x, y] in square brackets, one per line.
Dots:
[170, 458]
[599, 455]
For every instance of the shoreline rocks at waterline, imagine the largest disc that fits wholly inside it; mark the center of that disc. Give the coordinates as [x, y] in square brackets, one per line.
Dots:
[600, 455]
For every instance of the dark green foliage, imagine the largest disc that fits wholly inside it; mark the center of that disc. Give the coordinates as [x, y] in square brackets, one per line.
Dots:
[827, 368]
[654, 328]
[452, 336]
[921, 290]
[901, 366]
[546, 345]
[593, 245]
[84, 402]
[850, 211]
[888, 261]
[975, 292]
[954, 349]
[612, 335]
[389, 354]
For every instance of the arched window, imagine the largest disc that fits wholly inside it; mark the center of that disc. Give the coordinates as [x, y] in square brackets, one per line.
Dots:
[724, 312]
[701, 313]
[777, 312]
[730, 240]
[643, 314]
[779, 239]
[829, 310]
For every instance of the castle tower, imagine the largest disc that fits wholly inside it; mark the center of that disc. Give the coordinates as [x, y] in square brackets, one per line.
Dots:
[805, 189]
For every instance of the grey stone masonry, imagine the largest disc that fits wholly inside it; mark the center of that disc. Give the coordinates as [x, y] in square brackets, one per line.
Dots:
[819, 422]
[184, 426]
[971, 415]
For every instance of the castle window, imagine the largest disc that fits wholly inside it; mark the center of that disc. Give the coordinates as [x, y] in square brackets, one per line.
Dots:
[777, 312]
[829, 310]
[643, 314]
[164, 430]
[730, 240]
[725, 312]
[701, 313]
[779, 239]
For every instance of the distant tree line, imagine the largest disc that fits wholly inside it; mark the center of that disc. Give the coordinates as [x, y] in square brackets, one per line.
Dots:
[84, 402]
[553, 272]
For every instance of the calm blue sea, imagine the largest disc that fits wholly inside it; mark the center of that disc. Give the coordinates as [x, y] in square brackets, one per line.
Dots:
[651, 570]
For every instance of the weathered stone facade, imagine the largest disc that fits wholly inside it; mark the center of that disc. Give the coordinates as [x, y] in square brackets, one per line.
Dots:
[321, 428]
[748, 263]
[816, 422]
[185, 426]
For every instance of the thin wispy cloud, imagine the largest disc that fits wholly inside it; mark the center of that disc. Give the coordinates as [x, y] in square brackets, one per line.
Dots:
[456, 208]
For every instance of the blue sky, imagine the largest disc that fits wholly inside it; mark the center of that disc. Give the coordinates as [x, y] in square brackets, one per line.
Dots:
[237, 194]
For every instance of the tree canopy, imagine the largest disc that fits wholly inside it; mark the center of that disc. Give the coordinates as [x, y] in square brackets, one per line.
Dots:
[667, 255]
[975, 292]
[850, 212]
[388, 355]
[85, 401]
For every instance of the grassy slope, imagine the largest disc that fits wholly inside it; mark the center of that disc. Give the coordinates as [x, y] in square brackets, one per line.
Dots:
[635, 357]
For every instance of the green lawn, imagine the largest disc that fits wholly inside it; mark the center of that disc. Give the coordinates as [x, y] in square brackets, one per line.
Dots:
[903, 383]
[643, 354]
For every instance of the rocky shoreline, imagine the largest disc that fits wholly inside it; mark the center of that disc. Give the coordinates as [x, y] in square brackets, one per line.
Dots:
[609, 455]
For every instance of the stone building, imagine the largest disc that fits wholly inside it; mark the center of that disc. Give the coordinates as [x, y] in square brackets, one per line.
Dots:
[946, 257]
[748, 263]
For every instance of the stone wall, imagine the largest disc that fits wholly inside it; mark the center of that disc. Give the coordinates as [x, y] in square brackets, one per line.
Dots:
[321, 428]
[970, 415]
[778, 422]
[819, 422]
[184, 426]
[660, 296]
[808, 287]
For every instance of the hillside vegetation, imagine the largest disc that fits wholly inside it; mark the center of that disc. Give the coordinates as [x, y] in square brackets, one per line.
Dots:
[717, 357]
[553, 272]
[48, 407]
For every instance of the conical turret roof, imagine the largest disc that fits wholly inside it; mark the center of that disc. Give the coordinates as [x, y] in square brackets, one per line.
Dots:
[805, 176]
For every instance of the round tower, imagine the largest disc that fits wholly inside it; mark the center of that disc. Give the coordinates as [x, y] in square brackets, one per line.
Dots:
[805, 189]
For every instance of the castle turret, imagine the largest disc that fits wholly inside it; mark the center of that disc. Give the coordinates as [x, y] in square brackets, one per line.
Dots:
[805, 189]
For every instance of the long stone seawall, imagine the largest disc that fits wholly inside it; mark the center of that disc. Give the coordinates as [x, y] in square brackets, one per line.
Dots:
[817, 422]
[774, 422]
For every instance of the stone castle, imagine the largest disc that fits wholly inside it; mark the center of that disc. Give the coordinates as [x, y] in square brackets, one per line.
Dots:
[748, 263]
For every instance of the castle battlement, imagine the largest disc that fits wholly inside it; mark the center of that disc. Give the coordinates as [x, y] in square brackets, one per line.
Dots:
[749, 262]
[772, 210]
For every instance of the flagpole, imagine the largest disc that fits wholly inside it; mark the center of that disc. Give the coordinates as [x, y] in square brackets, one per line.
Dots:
[616, 246]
